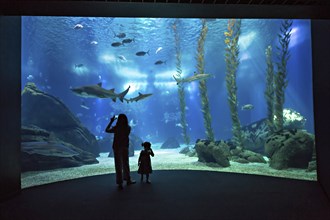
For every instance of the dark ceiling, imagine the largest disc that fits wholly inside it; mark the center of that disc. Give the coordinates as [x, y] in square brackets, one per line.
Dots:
[311, 9]
[235, 2]
[248, 2]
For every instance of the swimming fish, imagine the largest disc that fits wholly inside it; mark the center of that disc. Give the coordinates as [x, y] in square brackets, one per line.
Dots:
[228, 34]
[78, 65]
[192, 78]
[158, 49]
[120, 35]
[127, 41]
[78, 26]
[97, 91]
[247, 107]
[142, 53]
[121, 57]
[116, 44]
[138, 98]
[30, 77]
[132, 123]
[94, 42]
[159, 62]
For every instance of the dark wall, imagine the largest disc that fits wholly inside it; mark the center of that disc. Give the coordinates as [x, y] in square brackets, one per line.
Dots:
[10, 105]
[321, 83]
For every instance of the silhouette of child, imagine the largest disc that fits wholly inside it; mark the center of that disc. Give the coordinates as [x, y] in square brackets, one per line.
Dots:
[144, 161]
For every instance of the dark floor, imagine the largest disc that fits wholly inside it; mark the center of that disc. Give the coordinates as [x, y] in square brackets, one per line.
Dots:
[172, 195]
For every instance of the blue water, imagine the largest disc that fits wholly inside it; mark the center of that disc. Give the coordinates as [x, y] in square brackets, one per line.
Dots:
[51, 48]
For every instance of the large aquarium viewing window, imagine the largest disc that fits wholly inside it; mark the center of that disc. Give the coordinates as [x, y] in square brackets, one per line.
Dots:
[227, 95]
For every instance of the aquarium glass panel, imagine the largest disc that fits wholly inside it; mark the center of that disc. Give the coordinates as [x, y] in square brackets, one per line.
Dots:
[227, 95]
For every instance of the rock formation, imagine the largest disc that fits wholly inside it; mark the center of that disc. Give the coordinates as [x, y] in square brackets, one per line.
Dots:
[134, 144]
[42, 150]
[49, 113]
[221, 152]
[209, 152]
[170, 143]
[290, 148]
[256, 133]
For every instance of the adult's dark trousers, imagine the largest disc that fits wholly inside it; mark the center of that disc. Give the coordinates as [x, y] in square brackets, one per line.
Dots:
[121, 165]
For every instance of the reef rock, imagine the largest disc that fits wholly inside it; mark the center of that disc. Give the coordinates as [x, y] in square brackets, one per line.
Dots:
[191, 152]
[290, 148]
[312, 165]
[229, 151]
[34, 133]
[170, 143]
[209, 152]
[41, 150]
[49, 113]
[185, 150]
[135, 142]
[255, 134]
[246, 156]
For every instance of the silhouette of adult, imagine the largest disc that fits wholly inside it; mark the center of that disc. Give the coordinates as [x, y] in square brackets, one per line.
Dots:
[120, 148]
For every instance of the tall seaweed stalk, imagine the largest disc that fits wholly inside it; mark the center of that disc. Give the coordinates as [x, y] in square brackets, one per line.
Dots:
[232, 62]
[181, 92]
[281, 81]
[202, 83]
[270, 89]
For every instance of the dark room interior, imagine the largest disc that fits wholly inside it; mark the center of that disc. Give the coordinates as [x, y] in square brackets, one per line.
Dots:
[173, 194]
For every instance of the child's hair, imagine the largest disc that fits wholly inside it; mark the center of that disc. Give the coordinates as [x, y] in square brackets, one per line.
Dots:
[146, 144]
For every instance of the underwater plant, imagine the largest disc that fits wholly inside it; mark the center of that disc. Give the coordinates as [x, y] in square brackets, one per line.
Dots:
[202, 83]
[281, 81]
[232, 63]
[181, 92]
[269, 92]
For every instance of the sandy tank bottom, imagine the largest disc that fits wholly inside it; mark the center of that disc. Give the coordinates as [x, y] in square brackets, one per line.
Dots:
[165, 159]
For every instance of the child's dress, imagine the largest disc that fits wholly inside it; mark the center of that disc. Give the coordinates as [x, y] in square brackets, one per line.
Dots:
[145, 162]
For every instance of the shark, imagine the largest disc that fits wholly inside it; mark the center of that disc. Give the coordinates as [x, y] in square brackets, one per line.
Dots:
[138, 98]
[192, 78]
[97, 91]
